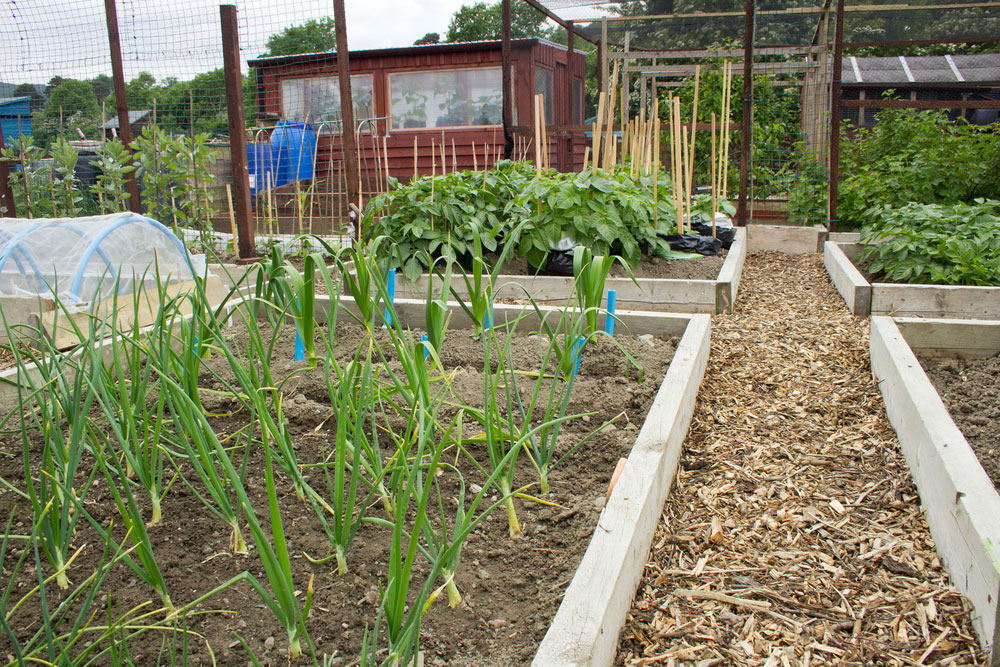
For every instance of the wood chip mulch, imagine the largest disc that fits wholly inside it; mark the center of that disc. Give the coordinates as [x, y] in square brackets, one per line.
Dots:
[793, 534]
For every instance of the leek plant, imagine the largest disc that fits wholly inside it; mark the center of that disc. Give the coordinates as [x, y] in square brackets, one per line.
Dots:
[590, 274]
[55, 408]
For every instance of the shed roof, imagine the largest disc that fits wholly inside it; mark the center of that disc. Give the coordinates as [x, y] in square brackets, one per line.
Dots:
[134, 116]
[4, 101]
[448, 47]
[981, 69]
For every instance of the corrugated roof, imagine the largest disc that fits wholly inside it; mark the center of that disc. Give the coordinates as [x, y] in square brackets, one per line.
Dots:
[982, 69]
[10, 100]
[134, 116]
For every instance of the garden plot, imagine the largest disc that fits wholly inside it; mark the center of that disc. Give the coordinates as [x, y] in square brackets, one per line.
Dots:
[681, 295]
[960, 500]
[191, 543]
[899, 300]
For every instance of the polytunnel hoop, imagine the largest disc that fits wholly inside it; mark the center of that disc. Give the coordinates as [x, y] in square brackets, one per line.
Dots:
[94, 247]
[15, 244]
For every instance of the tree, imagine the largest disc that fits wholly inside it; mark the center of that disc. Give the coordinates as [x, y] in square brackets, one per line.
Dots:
[429, 38]
[71, 105]
[481, 21]
[37, 101]
[103, 86]
[311, 37]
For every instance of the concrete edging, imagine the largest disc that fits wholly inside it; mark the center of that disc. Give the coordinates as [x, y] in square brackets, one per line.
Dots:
[655, 294]
[585, 629]
[934, 301]
[959, 500]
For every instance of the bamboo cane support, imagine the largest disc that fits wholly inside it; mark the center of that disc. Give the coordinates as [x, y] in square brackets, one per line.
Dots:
[715, 199]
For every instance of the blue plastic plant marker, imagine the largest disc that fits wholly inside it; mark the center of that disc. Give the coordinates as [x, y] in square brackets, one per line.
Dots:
[300, 348]
[577, 354]
[391, 289]
[423, 339]
[489, 316]
[609, 319]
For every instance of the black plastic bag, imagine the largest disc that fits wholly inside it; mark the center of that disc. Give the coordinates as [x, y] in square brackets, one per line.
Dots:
[558, 263]
[703, 245]
[725, 234]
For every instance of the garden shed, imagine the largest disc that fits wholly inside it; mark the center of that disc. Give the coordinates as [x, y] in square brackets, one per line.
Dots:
[15, 117]
[448, 94]
[932, 79]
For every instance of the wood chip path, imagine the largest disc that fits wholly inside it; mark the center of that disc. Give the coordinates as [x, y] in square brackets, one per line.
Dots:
[793, 535]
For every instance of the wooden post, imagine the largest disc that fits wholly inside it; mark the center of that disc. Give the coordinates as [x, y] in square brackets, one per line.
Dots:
[349, 146]
[745, 124]
[602, 57]
[7, 207]
[835, 94]
[118, 75]
[247, 242]
[567, 141]
[505, 65]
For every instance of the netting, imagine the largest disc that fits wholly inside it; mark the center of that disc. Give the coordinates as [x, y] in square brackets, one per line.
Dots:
[57, 57]
[89, 258]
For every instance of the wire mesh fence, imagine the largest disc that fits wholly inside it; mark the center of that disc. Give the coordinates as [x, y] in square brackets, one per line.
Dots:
[59, 107]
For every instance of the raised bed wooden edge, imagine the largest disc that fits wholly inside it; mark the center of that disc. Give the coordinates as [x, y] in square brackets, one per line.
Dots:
[936, 301]
[792, 240]
[655, 294]
[961, 505]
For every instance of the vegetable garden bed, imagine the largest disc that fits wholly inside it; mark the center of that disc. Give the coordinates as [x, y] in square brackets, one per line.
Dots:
[961, 504]
[656, 294]
[788, 239]
[935, 301]
[487, 628]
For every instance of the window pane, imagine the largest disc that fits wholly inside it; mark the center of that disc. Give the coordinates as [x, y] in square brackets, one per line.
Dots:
[446, 98]
[317, 99]
[543, 87]
[578, 102]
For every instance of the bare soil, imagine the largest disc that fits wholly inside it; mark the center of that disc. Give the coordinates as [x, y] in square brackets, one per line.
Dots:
[970, 389]
[511, 588]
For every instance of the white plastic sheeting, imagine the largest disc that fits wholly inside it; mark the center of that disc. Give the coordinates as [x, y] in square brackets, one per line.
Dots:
[82, 259]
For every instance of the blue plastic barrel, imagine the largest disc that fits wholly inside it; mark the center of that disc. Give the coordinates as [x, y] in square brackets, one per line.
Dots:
[294, 145]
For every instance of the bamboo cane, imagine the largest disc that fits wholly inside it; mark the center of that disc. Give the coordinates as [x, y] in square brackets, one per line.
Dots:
[610, 125]
[694, 126]
[656, 169]
[385, 158]
[715, 201]
[454, 157]
[414, 158]
[433, 169]
[725, 137]
[598, 132]
[475, 160]
[687, 174]
[586, 157]
[232, 215]
[298, 204]
[538, 139]
[678, 175]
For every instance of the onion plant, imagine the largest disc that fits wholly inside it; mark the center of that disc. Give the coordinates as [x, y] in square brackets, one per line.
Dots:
[55, 409]
[590, 273]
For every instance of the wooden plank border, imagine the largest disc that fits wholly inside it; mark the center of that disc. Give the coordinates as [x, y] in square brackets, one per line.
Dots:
[856, 291]
[655, 294]
[787, 239]
[934, 301]
[585, 629]
[961, 505]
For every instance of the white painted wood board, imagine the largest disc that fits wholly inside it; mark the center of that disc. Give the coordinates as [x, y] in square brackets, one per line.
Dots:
[791, 240]
[855, 290]
[586, 627]
[961, 505]
[951, 337]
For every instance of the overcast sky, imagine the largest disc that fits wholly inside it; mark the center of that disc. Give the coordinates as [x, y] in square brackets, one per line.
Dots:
[181, 38]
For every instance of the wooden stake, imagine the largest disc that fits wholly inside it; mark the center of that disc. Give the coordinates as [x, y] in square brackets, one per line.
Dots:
[454, 157]
[586, 157]
[725, 133]
[475, 160]
[598, 132]
[715, 201]
[678, 176]
[414, 158]
[433, 167]
[694, 126]
[609, 142]
[298, 204]
[687, 174]
[232, 214]
[538, 138]
[385, 157]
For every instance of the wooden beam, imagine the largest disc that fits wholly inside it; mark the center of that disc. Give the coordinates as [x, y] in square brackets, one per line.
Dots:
[835, 103]
[636, 54]
[118, 76]
[348, 142]
[746, 129]
[246, 240]
[506, 75]
[555, 17]
[922, 104]
[7, 207]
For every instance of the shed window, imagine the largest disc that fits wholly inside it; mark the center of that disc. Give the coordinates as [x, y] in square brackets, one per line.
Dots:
[446, 98]
[577, 101]
[544, 87]
[317, 99]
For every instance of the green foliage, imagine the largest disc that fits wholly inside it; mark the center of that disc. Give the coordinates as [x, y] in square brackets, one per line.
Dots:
[428, 38]
[956, 244]
[65, 192]
[113, 167]
[912, 156]
[807, 187]
[481, 21]
[26, 183]
[313, 36]
[613, 214]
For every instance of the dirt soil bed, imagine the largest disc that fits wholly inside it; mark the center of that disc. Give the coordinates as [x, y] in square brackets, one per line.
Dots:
[511, 588]
[970, 389]
[793, 535]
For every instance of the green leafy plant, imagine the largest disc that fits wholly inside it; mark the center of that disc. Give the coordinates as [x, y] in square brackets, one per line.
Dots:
[931, 243]
[113, 168]
[65, 189]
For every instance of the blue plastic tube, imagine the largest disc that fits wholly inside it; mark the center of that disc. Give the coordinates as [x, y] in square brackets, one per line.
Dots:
[391, 289]
[609, 319]
[577, 354]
